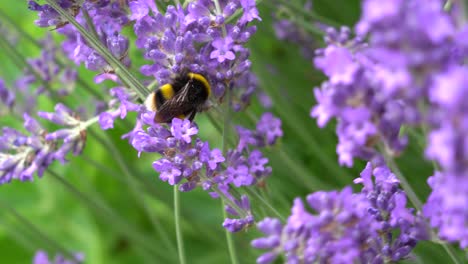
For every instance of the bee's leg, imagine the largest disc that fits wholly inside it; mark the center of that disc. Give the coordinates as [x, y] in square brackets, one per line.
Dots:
[191, 115]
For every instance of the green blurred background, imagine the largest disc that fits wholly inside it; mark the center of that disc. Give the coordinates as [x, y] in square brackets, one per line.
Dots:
[110, 204]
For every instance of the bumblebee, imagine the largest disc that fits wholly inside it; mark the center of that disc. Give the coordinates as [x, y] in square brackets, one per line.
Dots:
[186, 95]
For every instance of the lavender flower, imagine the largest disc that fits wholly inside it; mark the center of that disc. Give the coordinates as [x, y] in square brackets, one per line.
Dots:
[347, 227]
[235, 225]
[380, 86]
[42, 258]
[43, 76]
[184, 157]
[7, 96]
[267, 132]
[427, 58]
[198, 39]
[191, 162]
[22, 155]
[446, 207]
[49, 17]
[365, 117]
[122, 103]
[108, 19]
[388, 208]
[286, 30]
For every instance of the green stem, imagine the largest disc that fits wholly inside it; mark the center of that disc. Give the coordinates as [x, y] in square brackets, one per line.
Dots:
[268, 205]
[307, 178]
[229, 239]
[180, 240]
[34, 229]
[226, 130]
[25, 240]
[90, 23]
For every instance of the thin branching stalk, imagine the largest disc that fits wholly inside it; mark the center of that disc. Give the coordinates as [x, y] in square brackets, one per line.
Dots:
[229, 238]
[178, 226]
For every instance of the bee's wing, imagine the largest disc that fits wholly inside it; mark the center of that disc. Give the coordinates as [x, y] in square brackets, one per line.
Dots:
[178, 106]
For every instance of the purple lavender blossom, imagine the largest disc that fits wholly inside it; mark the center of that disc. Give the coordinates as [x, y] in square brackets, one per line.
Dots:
[270, 128]
[286, 30]
[123, 102]
[346, 227]
[350, 95]
[22, 155]
[108, 19]
[238, 224]
[386, 80]
[420, 65]
[48, 16]
[446, 207]
[7, 96]
[42, 258]
[43, 76]
[409, 73]
[182, 154]
[267, 132]
[192, 163]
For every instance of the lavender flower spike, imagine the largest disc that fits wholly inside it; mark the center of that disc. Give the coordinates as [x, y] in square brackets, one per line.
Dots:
[346, 227]
[22, 155]
[42, 258]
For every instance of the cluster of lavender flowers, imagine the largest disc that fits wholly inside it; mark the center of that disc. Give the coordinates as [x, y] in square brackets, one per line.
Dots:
[373, 226]
[22, 155]
[192, 163]
[286, 30]
[108, 19]
[42, 258]
[410, 72]
[7, 98]
[42, 77]
[122, 103]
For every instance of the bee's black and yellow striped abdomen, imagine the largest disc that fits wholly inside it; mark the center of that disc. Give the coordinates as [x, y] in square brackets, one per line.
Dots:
[181, 98]
[166, 92]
